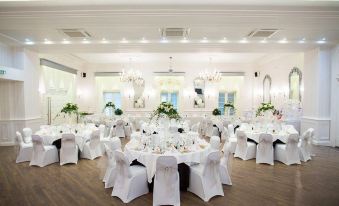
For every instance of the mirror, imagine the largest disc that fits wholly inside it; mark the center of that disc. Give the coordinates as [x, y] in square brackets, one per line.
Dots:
[267, 83]
[295, 78]
[199, 88]
[139, 87]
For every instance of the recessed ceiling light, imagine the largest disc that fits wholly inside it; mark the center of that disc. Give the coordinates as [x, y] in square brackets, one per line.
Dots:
[65, 41]
[85, 41]
[46, 41]
[322, 41]
[264, 41]
[302, 41]
[283, 41]
[244, 41]
[124, 41]
[104, 41]
[29, 42]
[184, 40]
[204, 40]
[144, 40]
[224, 40]
[163, 40]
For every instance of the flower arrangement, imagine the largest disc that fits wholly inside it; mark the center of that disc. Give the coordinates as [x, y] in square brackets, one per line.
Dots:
[166, 109]
[216, 112]
[265, 107]
[229, 105]
[109, 105]
[118, 112]
[69, 109]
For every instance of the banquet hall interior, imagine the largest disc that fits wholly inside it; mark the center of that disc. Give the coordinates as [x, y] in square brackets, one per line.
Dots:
[149, 102]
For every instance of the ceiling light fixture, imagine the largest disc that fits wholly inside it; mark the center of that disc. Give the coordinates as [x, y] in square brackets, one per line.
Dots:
[124, 41]
[207, 75]
[184, 40]
[244, 41]
[104, 41]
[302, 41]
[131, 76]
[224, 40]
[85, 41]
[283, 41]
[29, 42]
[65, 41]
[322, 41]
[164, 40]
[46, 41]
[144, 40]
[204, 40]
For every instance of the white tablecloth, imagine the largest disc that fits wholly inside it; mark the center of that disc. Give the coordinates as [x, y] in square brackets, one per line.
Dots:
[149, 159]
[282, 136]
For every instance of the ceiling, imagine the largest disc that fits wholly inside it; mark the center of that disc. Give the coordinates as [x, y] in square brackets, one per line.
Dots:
[39, 23]
[122, 58]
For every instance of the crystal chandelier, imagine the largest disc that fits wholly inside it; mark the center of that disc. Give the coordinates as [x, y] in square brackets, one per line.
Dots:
[210, 76]
[131, 76]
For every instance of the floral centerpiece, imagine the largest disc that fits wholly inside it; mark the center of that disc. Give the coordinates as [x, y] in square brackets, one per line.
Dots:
[264, 107]
[216, 112]
[69, 109]
[118, 112]
[165, 109]
[110, 107]
[229, 105]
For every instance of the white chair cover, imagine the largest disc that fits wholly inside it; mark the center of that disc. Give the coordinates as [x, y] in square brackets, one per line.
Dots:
[225, 135]
[131, 181]
[119, 128]
[288, 153]
[195, 127]
[103, 139]
[110, 174]
[244, 150]
[68, 150]
[166, 182]
[230, 128]
[128, 130]
[265, 149]
[209, 132]
[43, 155]
[25, 149]
[225, 166]
[92, 149]
[305, 145]
[215, 143]
[205, 178]
[27, 135]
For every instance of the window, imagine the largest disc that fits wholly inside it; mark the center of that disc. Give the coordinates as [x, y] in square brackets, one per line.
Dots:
[170, 97]
[224, 98]
[114, 97]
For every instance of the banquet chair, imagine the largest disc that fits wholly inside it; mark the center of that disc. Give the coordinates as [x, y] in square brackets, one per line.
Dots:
[131, 181]
[288, 153]
[224, 167]
[110, 174]
[27, 135]
[265, 149]
[244, 150]
[119, 128]
[166, 182]
[225, 136]
[68, 150]
[205, 178]
[215, 143]
[305, 145]
[210, 129]
[232, 139]
[103, 140]
[311, 140]
[43, 155]
[25, 149]
[92, 148]
[128, 130]
[195, 127]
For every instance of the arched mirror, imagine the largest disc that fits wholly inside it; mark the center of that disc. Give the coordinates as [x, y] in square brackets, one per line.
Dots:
[267, 83]
[139, 87]
[199, 88]
[295, 79]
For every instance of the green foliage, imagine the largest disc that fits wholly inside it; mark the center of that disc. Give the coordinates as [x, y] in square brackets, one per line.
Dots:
[216, 112]
[166, 109]
[264, 107]
[118, 112]
[70, 109]
[109, 105]
[229, 105]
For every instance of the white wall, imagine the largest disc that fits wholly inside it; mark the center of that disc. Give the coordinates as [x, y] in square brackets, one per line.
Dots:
[335, 96]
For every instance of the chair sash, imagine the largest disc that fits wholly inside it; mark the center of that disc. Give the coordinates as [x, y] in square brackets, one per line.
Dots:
[102, 130]
[122, 165]
[94, 139]
[38, 145]
[166, 170]
[68, 141]
[265, 142]
[211, 168]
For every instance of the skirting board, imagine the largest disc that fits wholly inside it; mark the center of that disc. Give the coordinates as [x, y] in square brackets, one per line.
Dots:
[321, 128]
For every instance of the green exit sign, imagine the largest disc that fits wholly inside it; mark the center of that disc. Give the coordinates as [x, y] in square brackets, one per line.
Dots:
[2, 72]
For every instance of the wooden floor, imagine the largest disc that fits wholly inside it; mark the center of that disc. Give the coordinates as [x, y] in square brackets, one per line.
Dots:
[312, 183]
